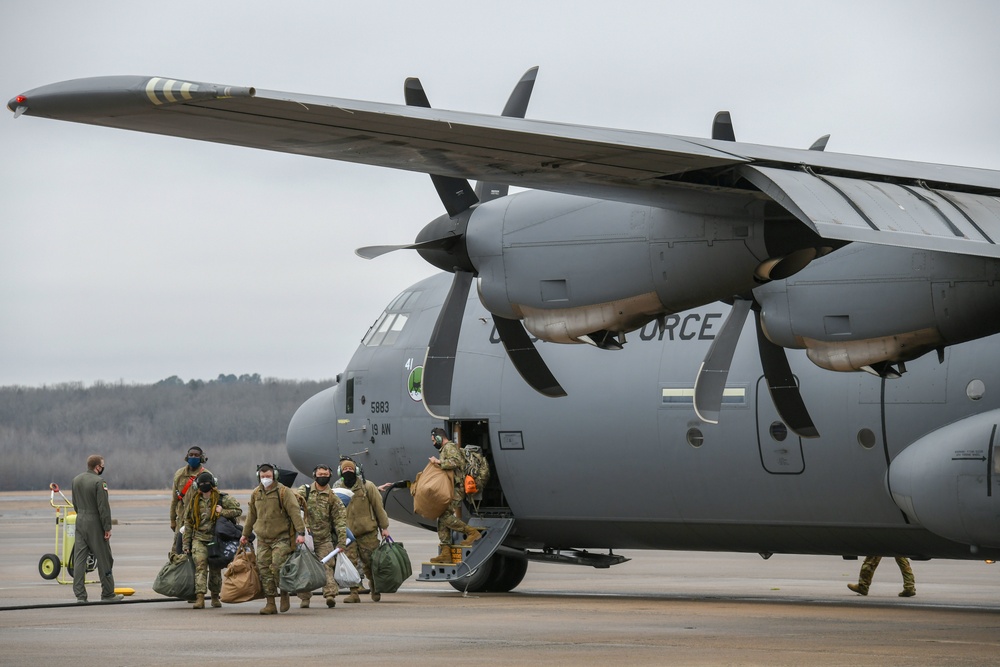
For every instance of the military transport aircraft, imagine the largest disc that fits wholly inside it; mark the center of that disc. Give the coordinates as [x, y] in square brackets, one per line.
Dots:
[608, 364]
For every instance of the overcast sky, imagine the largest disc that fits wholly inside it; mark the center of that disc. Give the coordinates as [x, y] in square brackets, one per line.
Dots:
[130, 257]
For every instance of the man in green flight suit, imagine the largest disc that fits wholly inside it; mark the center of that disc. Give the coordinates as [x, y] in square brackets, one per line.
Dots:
[274, 516]
[326, 519]
[93, 531]
[452, 459]
[203, 509]
[365, 517]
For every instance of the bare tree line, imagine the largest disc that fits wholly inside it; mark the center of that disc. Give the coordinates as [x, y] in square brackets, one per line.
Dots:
[144, 431]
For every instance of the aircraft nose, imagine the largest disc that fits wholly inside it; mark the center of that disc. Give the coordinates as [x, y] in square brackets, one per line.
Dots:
[312, 433]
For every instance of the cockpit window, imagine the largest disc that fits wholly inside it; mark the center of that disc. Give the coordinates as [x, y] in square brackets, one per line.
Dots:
[390, 324]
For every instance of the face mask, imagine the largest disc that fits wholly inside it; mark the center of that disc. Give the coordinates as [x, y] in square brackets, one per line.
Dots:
[101, 471]
[323, 481]
[350, 478]
[266, 481]
[437, 445]
[194, 461]
[205, 488]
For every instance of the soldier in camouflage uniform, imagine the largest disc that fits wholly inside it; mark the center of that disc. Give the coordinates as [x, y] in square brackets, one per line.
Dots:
[452, 459]
[326, 519]
[203, 509]
[274, 516]
[184, 481]
[868, 571]
[365, 517]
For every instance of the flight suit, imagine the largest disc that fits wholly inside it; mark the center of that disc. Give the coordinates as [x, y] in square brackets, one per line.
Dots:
[326, 519]
[93, 520]
[183, 483]
[199, 532]
[868, 571]
[452, 458]
[274, 515]
[365, 517]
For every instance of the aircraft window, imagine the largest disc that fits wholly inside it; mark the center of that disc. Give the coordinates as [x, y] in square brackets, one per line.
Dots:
[367, 340]
[685, 396]
[411, 301]
[778, 431]
[975, 390]
[398, 302]
[349, 407]
[866, 438]
[695, 437]
[381, 330]
[394, 329]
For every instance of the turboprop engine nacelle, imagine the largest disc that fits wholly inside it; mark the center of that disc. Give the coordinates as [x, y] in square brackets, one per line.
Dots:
[572, 266]
[869, 304]
[949, 481]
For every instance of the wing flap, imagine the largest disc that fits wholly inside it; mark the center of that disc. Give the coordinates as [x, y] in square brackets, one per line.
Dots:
[912, 216]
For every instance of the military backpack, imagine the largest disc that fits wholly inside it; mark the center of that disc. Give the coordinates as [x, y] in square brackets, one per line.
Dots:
[477, 470]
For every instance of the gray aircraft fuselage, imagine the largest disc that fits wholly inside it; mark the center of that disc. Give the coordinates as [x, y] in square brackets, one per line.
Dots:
[623, 461]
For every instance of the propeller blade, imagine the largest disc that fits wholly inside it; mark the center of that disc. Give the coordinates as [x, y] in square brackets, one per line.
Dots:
[525, 357]
[373, 251]
[784, 390]
[516, 107]
[711, 381]
[820, 144]
[456, 194]
[439, 364]
[722, 127]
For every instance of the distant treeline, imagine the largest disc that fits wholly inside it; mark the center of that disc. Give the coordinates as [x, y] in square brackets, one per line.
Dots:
[144, 431]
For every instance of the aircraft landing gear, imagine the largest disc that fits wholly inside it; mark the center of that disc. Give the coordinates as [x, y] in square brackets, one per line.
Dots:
[499, 574]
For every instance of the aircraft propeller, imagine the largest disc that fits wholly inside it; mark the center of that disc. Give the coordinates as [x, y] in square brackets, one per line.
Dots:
[710, 384]
[442, 243]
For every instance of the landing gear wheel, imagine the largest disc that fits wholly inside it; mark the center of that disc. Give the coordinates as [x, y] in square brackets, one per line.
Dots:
[49, 566]
[500, 574]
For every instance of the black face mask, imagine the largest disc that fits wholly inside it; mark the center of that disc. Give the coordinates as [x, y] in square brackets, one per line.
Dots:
[101, 471]
[205, 488]
[350, 478]
[323, 481]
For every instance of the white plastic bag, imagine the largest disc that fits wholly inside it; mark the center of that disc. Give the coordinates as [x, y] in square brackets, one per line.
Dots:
[345, 574]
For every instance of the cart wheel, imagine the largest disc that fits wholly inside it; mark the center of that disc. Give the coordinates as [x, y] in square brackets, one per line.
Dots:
[48, 566]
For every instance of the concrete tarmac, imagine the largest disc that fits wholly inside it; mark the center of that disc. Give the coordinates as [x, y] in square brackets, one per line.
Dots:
[661, 607]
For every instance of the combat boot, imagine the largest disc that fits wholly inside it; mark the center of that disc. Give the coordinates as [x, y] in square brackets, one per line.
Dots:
[908, 593]
[860, 589]
[216, 602]
[473, 535]
[304, 600]
[444, 557]
[269, 608]
[353, 597]
[376, 596]
[199, 601]
[285, 603]
[331, 602]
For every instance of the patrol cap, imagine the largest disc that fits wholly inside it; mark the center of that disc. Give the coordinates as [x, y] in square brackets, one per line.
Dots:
[346, 465]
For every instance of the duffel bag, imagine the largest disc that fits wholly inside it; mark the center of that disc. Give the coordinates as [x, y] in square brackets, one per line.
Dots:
[241, 581]
[390, 567]
[302, 571]
[176, 578]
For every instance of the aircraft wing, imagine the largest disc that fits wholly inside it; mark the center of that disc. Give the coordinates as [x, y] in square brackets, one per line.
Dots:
[844, 197]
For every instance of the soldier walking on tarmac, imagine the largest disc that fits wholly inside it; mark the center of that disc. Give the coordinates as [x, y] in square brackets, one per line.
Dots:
[868, 571]
[327, 521]
[204, 508]
[274, 516]
[366, 517]
[93, 531]
[184, 481]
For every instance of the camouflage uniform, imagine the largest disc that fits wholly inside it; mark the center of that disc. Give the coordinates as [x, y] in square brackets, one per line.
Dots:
[453, 459]
[326, 519]
[365, 517]
[199, 532]
[274, 516]
[183, 483]
[868, 571]
[93, 520]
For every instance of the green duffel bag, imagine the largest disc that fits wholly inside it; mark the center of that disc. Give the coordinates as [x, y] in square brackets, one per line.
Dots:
[302, 572]
[390, 567]
[176, 578]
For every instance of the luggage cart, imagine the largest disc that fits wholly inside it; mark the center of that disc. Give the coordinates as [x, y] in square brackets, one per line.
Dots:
[60, 567]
